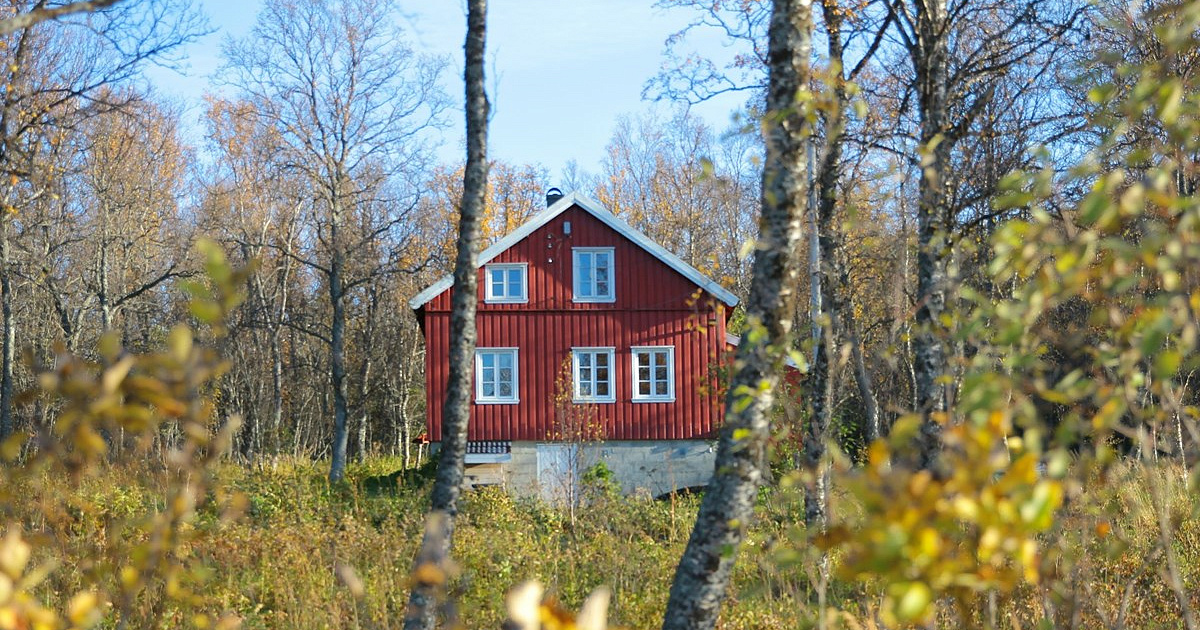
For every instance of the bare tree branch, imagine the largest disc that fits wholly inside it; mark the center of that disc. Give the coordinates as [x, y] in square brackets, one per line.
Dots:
[42, 14]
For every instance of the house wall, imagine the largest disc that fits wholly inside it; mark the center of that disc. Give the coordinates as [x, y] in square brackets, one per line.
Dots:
[642, 282]
[655, 305]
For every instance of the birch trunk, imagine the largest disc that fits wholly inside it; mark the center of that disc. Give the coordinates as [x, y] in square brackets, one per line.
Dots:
[829, 242]
[280, 315]
[8, 350]
[435, 547]
[337, 343]
[702, 577]
[862, 378]
[930, 56]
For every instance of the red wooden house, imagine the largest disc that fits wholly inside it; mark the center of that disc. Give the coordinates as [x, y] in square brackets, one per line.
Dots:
[595, 344]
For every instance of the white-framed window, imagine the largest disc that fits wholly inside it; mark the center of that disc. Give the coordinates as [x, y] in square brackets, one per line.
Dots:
[592, 270]
[496, 376]
[592, 375]
[653, 373]
[506, 282]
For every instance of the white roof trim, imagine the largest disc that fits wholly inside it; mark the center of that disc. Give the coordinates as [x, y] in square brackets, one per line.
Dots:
[594, 208]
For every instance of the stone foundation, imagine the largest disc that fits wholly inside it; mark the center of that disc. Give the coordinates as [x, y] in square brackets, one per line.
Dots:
[644, 468]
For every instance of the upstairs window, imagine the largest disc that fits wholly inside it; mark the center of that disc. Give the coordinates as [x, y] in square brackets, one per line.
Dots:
[654, 374]
[593, 274]
[505, 283]
[496, 375]
[591, 373]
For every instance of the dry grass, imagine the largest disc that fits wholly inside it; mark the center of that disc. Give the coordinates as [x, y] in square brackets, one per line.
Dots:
[275, 566]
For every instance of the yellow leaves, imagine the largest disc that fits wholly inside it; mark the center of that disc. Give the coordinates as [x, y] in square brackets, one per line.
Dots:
[21, 614]
[112, 377]
[19, 609]
[1097, 208]
[121, 393]
[904, 430]
[179, 343]
[204, 311]
[1038, 510]
[10, 448]
[965, 508]
[84, 610]
[1169, 99]
[14, 555]
[130, 578]
[428, 573]
[530, 609]
[907, 603]
[971, 529]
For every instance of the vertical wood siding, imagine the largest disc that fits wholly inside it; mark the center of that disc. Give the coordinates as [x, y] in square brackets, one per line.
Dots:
[655, 306]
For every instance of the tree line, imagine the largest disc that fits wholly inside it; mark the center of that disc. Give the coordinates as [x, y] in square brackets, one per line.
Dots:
[317, 162]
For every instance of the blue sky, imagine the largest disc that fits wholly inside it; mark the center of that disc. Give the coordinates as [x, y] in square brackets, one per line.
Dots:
[560, 71]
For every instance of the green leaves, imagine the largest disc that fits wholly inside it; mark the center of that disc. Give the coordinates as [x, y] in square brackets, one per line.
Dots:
[972, 529]
[908, 602]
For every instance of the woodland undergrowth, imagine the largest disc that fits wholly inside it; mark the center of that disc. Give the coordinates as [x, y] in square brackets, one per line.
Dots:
[305, 554]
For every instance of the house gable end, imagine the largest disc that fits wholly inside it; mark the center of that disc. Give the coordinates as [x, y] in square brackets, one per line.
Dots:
[597, 211]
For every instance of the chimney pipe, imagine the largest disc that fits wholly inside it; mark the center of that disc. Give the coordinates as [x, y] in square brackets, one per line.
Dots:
[552, 196]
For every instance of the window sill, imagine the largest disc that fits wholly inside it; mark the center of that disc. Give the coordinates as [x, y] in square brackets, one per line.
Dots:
[497, 402]
[654, 400]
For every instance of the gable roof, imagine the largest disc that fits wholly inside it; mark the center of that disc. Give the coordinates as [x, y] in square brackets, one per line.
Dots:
[593, 207]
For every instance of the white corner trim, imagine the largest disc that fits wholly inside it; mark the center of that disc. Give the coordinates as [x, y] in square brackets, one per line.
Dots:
[594, 208]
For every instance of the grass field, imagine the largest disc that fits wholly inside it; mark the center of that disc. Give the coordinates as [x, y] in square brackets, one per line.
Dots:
[277, 565]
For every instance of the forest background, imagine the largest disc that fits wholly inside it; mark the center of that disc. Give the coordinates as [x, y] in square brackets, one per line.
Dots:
[1001, 241]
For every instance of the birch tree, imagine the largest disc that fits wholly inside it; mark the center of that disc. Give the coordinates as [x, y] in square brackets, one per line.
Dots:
[350, 104]
[702, 577]
[833, 311]
[132, 176]
[959, 52]
[250, 206]
[58, 74]
[431, 561]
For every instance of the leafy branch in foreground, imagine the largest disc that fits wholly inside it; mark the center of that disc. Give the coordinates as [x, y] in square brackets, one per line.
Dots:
[1087, 359]
[139, 401]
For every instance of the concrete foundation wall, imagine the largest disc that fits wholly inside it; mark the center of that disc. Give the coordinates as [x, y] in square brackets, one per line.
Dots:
[649, 468]
[656, 468]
